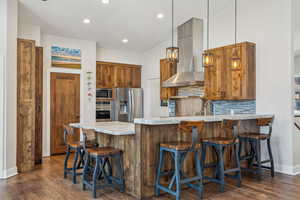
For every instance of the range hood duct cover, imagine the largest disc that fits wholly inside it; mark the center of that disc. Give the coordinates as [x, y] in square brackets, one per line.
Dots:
[190, 43]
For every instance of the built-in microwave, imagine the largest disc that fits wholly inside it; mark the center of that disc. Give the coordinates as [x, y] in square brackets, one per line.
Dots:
[104, 93]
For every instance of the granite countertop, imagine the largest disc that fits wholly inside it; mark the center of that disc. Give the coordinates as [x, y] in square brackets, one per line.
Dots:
[111, 128]
[209, 118]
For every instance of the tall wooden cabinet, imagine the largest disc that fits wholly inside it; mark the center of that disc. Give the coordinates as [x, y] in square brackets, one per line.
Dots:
[29, 108]
[167, 70]
[117, 75]
[223, 83]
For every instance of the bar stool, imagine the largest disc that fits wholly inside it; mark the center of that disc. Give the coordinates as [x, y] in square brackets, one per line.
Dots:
[229, 128]
[179, 151]
[101, 171]
[77, 147]
[254, 139]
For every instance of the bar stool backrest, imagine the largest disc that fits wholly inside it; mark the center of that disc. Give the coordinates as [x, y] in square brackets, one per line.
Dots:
[229, 127]
[89, 137]
[194, 127]
[265, 122]
[68, 134]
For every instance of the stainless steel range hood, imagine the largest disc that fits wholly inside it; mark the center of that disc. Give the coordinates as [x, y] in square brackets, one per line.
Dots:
[190, 43]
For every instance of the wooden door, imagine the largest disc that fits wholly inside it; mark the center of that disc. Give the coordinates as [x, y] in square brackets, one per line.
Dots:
[65, 107]
[26, 105]
[39, 104]
[167, 70]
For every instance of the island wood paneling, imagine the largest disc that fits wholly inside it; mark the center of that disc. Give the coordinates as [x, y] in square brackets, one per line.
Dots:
[65, 108]
[141, 152]
[39, 104]
[26, 105]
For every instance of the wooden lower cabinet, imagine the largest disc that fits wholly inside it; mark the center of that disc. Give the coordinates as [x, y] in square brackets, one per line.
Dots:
[118, 75]
[65, 108]
[223, 83]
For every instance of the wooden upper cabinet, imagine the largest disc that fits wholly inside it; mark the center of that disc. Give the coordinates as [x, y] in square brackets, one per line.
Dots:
[105, 75]
[167, 70]
[223, 83]
[117, 75]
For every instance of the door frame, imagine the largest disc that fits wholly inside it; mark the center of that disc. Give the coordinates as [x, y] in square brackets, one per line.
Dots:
[47, 103]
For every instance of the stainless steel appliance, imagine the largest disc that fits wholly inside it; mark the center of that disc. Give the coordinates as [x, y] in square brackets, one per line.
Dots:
[128, 104]
[104, 93]
[104, 111]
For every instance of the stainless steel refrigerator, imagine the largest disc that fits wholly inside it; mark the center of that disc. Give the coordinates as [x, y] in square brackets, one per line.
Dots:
[128, 104]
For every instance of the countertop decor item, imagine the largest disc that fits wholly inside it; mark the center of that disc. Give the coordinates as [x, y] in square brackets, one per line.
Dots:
[208, 57]
[172, 53]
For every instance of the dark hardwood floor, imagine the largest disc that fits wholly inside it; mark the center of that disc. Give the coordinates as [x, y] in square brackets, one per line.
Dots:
[47, 183]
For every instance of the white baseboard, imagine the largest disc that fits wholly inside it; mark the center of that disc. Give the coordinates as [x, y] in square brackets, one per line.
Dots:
[287, 169]
[6, 173]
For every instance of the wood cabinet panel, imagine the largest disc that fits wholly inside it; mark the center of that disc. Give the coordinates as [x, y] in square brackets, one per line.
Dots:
[223, 83]
[118, 75]
[167, 70]
[26, 105]
[39, 104]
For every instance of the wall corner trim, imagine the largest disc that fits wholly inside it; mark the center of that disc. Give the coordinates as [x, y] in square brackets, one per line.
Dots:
[7, 173]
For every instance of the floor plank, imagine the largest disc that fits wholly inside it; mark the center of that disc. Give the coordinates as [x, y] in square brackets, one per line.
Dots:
[47, 183]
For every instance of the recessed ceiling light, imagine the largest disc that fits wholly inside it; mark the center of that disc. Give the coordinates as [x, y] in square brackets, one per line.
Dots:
[125, 40]
[86, 21]
[160, 16]
[105, 1]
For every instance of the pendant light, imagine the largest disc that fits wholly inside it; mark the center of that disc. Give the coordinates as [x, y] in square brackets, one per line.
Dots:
[207, 56]
[172, 52]
[235, 59]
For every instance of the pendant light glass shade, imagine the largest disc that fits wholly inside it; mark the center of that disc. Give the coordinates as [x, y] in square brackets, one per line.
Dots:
[208, 59]
[172, 54]
[235, 59]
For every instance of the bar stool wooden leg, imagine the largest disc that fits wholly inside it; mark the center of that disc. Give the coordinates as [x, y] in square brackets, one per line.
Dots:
[271, 157]
[158, 173]
[177, 174]
[66, 162]
[221, 168]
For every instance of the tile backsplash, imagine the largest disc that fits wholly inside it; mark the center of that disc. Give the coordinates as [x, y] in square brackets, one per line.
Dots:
[236, 107]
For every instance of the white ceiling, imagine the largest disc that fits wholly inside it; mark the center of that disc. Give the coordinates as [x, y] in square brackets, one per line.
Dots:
[133, 19]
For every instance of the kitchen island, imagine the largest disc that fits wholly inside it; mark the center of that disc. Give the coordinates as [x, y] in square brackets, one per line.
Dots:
[140, 143]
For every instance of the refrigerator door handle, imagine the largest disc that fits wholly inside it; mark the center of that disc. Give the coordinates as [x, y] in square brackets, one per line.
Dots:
[133, 105]
[130, 105]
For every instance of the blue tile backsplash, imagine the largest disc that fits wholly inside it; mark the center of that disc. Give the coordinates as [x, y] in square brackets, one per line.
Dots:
[238, 107]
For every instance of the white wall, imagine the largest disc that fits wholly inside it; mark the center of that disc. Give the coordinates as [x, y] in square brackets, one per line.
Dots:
[8, 96]
[87, 108]
[119, 56]
[30, 32]
[151, 80]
